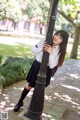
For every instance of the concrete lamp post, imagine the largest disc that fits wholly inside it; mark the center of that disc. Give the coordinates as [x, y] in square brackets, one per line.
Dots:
[37, 102]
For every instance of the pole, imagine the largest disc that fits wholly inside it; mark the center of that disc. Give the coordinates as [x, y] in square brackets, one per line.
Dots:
[37, 101]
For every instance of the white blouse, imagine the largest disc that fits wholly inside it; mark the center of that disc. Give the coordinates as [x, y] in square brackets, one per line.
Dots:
[53, 58]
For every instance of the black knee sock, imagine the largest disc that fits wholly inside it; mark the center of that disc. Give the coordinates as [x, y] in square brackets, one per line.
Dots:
[23, 95]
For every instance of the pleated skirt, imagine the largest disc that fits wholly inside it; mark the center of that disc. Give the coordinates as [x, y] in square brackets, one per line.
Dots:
[33, 72]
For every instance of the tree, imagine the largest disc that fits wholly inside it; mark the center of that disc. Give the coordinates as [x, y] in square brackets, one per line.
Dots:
[38, 9]
[10, 9]
[71, 12]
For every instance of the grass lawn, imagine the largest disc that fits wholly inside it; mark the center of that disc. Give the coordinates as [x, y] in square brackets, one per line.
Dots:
[23, 50]
[69, 48]
[19, 50]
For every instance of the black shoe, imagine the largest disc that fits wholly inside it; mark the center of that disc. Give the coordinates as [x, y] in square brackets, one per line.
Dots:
[17, 106]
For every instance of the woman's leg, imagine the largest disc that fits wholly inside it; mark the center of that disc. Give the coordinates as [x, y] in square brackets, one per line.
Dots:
[24, 92]
[23, 95]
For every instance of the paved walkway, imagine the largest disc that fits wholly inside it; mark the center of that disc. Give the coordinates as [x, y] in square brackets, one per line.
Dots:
[62, 97]
[29, 39]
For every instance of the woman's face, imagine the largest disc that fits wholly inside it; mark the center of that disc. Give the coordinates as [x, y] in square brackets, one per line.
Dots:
[57, 39]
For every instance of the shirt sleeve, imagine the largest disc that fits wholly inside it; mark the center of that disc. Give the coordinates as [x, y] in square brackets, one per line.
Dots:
[38, 47]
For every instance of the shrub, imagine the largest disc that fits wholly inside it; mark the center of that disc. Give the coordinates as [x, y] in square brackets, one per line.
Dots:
[0, 59]
[2, 81]
[14, 69]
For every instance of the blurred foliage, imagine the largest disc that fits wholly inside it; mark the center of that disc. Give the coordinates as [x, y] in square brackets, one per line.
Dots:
[71, 10]
[10, 9]
[38, 9]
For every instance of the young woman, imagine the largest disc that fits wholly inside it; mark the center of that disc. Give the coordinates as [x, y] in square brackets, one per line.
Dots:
[56, 52]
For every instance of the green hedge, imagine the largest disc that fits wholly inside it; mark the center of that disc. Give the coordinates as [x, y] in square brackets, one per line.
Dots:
[13, 69]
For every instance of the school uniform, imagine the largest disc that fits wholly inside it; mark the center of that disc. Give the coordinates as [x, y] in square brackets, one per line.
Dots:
[52, 62]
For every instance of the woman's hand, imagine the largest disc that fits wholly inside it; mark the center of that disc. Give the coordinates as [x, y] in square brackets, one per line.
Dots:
[48, 48]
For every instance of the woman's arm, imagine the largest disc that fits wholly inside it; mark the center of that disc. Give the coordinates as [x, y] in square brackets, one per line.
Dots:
[38, 47]
[53, 54]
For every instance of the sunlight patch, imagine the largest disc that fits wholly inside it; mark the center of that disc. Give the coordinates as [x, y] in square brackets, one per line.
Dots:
[71, 87]
[48, 97]
[76, 76]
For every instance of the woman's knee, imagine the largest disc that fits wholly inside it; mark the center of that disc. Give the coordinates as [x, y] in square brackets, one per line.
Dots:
[28, 87]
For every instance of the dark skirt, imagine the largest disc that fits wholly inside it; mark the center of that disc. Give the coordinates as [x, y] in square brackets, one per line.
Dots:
[34, 70]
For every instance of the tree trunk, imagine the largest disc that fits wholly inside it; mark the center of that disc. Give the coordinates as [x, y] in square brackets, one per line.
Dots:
[51, 1]
[75, 44]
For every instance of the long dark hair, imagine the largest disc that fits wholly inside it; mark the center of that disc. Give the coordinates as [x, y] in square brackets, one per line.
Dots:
[63, 46]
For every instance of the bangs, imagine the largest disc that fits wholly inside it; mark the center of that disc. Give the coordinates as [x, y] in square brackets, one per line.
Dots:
[62, 33]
